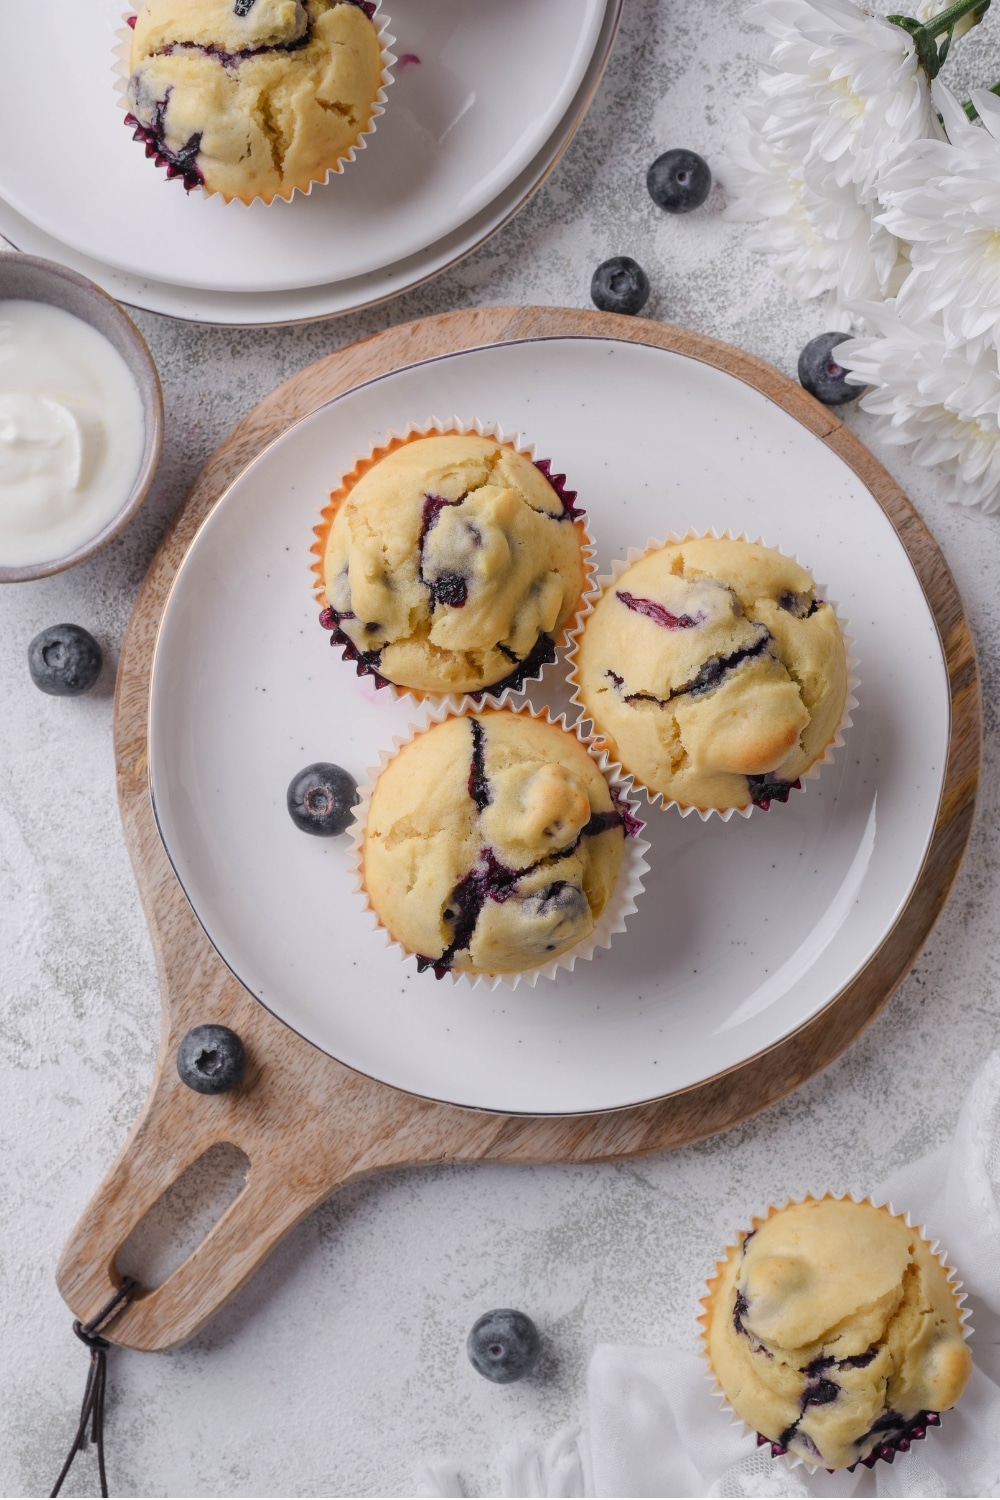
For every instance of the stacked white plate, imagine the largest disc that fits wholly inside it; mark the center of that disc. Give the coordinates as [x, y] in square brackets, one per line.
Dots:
[484, 101]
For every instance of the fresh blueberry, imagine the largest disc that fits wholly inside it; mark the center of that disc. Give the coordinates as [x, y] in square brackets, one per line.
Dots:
[64, 660]
[619, 285]
[562, 898]
[679, 181]
[504, 1345]
[820, 373]
[321, 799]
[211, 1059]
[451, 589]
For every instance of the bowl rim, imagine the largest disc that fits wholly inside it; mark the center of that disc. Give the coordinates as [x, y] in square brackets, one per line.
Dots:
[152, 402]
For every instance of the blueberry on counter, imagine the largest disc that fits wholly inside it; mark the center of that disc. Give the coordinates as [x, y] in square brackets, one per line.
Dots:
[820, 373]
[211, 1059]
[64, 660]
[679, 181]
[504, 1345]
[619, 285]
[321, 799]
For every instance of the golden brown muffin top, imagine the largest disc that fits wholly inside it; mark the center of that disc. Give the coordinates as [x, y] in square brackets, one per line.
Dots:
[713, 672]
[452, 562]
[253, 97]
[831, 1327]
[492, 843]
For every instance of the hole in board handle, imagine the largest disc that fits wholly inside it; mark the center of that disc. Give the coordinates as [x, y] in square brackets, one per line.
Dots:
[181, 1218]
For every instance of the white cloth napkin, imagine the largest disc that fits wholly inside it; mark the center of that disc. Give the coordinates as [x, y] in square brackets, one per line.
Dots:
[656, 1429]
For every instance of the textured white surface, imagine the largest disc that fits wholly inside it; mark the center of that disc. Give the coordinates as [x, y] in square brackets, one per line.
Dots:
[341, 1366]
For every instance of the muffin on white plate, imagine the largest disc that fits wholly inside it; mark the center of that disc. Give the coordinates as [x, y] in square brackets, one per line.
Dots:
[713, 672]
[451, 562]
[253, 99]
[491, 843]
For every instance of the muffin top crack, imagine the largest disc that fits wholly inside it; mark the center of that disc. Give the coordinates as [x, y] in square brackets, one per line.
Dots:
[714, 673]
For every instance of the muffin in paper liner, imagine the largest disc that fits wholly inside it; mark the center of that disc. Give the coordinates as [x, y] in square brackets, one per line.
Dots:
[183, 164]
[770, 792]
[621, 902]
[546, 650]
[895, 1432]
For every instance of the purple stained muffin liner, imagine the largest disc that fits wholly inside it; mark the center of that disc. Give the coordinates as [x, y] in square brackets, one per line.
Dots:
[623, 899]
[183, 164]
[546, 649]
[898, 1440]
[766, 792]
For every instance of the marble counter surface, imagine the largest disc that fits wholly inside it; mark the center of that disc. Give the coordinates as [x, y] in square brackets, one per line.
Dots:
[341, 1368]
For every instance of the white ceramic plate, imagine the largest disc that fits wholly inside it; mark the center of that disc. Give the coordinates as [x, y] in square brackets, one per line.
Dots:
[745, 930]
[490, 86]
[250, 309]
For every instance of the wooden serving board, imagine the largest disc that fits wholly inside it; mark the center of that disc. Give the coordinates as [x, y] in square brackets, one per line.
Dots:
[309, 1124]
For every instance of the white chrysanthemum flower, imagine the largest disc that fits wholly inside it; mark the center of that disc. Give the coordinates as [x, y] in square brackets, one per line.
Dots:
[940, 395]
[822, 240]
[944, 197]
[843, 89]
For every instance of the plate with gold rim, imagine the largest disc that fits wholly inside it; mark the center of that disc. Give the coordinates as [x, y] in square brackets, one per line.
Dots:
[746, 930]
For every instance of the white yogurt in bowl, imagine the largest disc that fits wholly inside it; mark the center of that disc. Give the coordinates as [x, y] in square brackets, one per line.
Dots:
[72, 432]
[81, 418]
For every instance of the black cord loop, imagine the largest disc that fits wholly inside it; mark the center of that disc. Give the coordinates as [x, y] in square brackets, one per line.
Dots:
[91, 1425]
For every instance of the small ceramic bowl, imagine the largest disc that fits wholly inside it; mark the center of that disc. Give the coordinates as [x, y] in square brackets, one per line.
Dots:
[32, 279]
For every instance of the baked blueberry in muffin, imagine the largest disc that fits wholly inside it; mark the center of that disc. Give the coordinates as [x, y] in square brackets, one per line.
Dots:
[451, 564]
[835, 1332]
[492, 844]
[714, 673]
[252, 98]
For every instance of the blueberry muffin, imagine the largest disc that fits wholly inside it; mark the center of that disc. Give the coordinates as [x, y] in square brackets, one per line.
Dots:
[452, 564]
[835, 1332]
[713, 673]
[252, 98]
[491, 844]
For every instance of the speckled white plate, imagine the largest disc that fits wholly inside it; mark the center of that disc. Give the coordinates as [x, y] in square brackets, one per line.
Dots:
[479, 89]
[745, 929]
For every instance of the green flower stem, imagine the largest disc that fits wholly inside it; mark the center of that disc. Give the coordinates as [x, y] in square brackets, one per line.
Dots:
[947, 18]
[930, 52]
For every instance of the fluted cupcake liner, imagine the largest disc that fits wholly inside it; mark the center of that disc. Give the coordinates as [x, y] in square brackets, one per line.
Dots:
[915, 1428]
[123, 68]
[531, 668]
[606, 580]
[901, 1442]
[628, 886]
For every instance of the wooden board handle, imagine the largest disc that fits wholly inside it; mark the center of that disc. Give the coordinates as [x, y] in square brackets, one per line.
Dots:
[307, 1125]
[176, 1129]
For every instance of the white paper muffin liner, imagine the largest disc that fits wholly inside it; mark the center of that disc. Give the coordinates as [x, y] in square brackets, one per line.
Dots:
[884, 1452]
[606, 580]
[122, 70]
[438, 426]
[621, 904]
